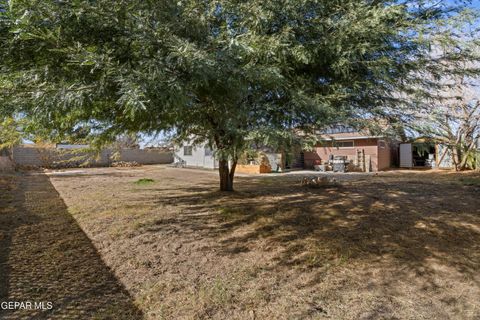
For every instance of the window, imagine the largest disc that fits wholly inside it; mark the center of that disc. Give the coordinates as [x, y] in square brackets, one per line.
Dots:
[344, 144]
[187, 150]
[208, 152]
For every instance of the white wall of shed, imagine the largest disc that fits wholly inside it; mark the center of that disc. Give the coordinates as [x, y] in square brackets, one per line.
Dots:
[406, 155]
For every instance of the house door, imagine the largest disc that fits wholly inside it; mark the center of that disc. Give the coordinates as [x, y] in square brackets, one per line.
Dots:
[406, 155]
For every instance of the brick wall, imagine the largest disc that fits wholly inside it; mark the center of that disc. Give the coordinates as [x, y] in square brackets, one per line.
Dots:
[384, 155]
[322, 151]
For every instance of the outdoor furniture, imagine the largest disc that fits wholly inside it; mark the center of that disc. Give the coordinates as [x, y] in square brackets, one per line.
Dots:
[339, 163]
[180, 164]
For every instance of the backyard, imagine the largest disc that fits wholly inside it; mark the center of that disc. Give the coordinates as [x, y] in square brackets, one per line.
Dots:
[156, 242]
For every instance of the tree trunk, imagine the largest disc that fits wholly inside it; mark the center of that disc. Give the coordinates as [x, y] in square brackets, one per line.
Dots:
[466, 154]
[226, 175]
[455, 158]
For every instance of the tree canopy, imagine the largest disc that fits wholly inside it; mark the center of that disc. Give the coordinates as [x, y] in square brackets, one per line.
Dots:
[219, 71]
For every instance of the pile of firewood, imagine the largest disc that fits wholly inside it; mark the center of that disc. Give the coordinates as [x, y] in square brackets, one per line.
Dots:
[125, 164]
[317, 182]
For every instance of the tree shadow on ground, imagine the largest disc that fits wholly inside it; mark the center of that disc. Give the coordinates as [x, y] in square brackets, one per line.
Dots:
[416, 225]
[46, 257]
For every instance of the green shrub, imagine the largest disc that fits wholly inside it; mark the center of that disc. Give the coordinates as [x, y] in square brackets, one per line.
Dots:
[144, 181]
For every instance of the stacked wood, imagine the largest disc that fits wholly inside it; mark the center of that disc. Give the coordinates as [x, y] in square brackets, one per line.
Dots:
[125, 164]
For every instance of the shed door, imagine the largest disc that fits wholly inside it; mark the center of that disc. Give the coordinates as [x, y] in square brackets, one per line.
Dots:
[406, 157]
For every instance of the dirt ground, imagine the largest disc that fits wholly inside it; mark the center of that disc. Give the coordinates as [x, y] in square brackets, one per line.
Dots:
[398, 245]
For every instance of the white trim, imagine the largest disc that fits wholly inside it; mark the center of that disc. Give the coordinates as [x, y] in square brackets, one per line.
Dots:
[352, 138]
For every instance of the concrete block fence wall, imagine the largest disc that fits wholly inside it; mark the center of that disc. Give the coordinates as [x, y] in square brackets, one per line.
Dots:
[6, 164]
[54, 158]
[146, 156]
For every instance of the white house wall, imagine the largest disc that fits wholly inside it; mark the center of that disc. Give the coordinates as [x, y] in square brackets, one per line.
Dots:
[197, 159]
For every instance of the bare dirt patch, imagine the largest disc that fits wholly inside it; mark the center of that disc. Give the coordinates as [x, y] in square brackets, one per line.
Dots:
[394, 245]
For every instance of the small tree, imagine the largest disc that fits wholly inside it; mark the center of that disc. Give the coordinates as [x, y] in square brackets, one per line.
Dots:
[127, 140]
[10, 134]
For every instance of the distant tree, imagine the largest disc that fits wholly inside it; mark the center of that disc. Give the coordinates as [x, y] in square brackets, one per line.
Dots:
[127, 141]
[219, 70]
[455, 122]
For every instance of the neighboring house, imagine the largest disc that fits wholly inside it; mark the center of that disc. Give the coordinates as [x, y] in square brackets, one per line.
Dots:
[69, 146]
[200, 156]
[377, 152]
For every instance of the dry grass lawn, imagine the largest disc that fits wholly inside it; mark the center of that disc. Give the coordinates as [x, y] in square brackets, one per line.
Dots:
[399, 245]
[46, 257]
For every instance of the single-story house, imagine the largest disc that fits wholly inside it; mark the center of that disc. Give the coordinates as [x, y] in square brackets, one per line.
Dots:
[202, 156]
[372, 152]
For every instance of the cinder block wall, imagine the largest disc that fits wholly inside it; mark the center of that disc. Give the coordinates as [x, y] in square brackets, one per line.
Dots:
[45, 157]
[146, 156]
[24, 156]
[6, 164]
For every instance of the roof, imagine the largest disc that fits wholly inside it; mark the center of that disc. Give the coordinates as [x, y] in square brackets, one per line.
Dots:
[337, 129]
[353, 135]
[426, 139]
[351, 138]
[71, 146]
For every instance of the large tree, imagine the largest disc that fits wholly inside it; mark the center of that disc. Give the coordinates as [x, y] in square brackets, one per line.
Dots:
[217, 71]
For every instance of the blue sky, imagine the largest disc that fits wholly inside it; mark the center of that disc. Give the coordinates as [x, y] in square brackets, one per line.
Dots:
[476, 4]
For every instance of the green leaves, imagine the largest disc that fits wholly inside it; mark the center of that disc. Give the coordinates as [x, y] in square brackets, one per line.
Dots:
[10, 134]
[223, 69]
